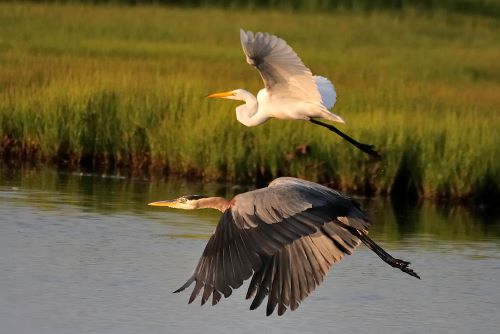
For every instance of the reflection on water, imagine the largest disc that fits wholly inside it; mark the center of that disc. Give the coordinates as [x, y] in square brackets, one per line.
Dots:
[85, 253]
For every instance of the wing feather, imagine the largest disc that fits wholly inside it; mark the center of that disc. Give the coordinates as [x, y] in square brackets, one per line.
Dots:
[303, 266]
[322, 267]
[216, 297]
[282, 71]
[326, 90]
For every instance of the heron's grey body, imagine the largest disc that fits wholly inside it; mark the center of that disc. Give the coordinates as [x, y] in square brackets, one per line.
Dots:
[286, 237]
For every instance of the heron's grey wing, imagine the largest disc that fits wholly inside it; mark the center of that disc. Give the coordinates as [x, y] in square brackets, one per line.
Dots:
[229, 258]
[282, 234]
[296, 269]
[331, 202]
[282, 70]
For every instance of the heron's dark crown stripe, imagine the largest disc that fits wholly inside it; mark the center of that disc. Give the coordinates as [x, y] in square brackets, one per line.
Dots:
[194, 197]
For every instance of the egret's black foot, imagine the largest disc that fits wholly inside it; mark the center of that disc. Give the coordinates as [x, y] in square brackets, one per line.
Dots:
[369, 149]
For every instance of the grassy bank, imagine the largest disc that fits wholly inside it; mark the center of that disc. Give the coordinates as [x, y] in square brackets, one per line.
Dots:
[124, 86]
[481, 7]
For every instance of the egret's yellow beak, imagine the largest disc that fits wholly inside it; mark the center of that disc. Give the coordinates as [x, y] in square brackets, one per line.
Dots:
[222, 95]
[168, 203]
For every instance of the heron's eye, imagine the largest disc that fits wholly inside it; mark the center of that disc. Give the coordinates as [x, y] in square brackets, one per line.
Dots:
[182, 200]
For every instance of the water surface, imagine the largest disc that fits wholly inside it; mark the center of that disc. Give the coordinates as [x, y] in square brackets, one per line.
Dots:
[84, 254]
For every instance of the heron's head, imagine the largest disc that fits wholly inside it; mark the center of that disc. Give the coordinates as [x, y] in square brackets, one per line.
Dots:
[237, 94]
[188, 202]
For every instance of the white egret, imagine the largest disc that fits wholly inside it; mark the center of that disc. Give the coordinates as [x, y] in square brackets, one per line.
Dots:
[285, 236]
[291, 91]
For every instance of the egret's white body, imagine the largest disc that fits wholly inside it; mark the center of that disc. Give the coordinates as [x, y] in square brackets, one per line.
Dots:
[291, 92]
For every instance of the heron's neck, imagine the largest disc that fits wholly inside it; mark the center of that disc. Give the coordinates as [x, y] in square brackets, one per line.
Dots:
[248, 114]
[218, 203]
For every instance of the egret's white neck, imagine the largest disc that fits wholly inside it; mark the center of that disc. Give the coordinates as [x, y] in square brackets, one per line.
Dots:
[248, 114]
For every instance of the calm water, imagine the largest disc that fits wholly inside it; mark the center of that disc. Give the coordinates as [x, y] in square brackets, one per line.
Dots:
[84, 254]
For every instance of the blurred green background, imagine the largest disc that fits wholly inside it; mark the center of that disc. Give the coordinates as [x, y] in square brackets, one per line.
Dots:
[119, 86]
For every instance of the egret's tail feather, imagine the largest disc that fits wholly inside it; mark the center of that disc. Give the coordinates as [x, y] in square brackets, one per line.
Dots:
[335, 118]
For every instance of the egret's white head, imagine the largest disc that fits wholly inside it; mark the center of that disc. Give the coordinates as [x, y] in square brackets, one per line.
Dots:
[237, 94]
[188, 202]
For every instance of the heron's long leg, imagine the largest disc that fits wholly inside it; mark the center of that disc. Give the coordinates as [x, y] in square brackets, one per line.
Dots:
[393, 262]
[369, 149]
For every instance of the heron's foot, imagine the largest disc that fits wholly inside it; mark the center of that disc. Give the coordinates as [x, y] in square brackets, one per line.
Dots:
[401, 263]
[403, 266]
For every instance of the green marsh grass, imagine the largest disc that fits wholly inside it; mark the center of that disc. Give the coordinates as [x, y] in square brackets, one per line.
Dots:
[109, 86]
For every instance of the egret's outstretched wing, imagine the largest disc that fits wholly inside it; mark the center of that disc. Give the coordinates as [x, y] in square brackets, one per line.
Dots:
[281, 69]
[287, 236]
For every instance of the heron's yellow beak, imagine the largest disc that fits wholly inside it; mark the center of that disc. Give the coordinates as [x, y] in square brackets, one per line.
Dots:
[168, 203]
[222, 95]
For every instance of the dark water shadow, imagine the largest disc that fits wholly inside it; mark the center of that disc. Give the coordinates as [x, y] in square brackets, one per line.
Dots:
[48, 189]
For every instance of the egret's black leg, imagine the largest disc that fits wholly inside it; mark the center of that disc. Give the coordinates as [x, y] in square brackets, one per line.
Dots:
[369, 149]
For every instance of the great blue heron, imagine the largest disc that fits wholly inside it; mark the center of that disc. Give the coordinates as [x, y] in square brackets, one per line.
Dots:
[287, 236]
[291, 91]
